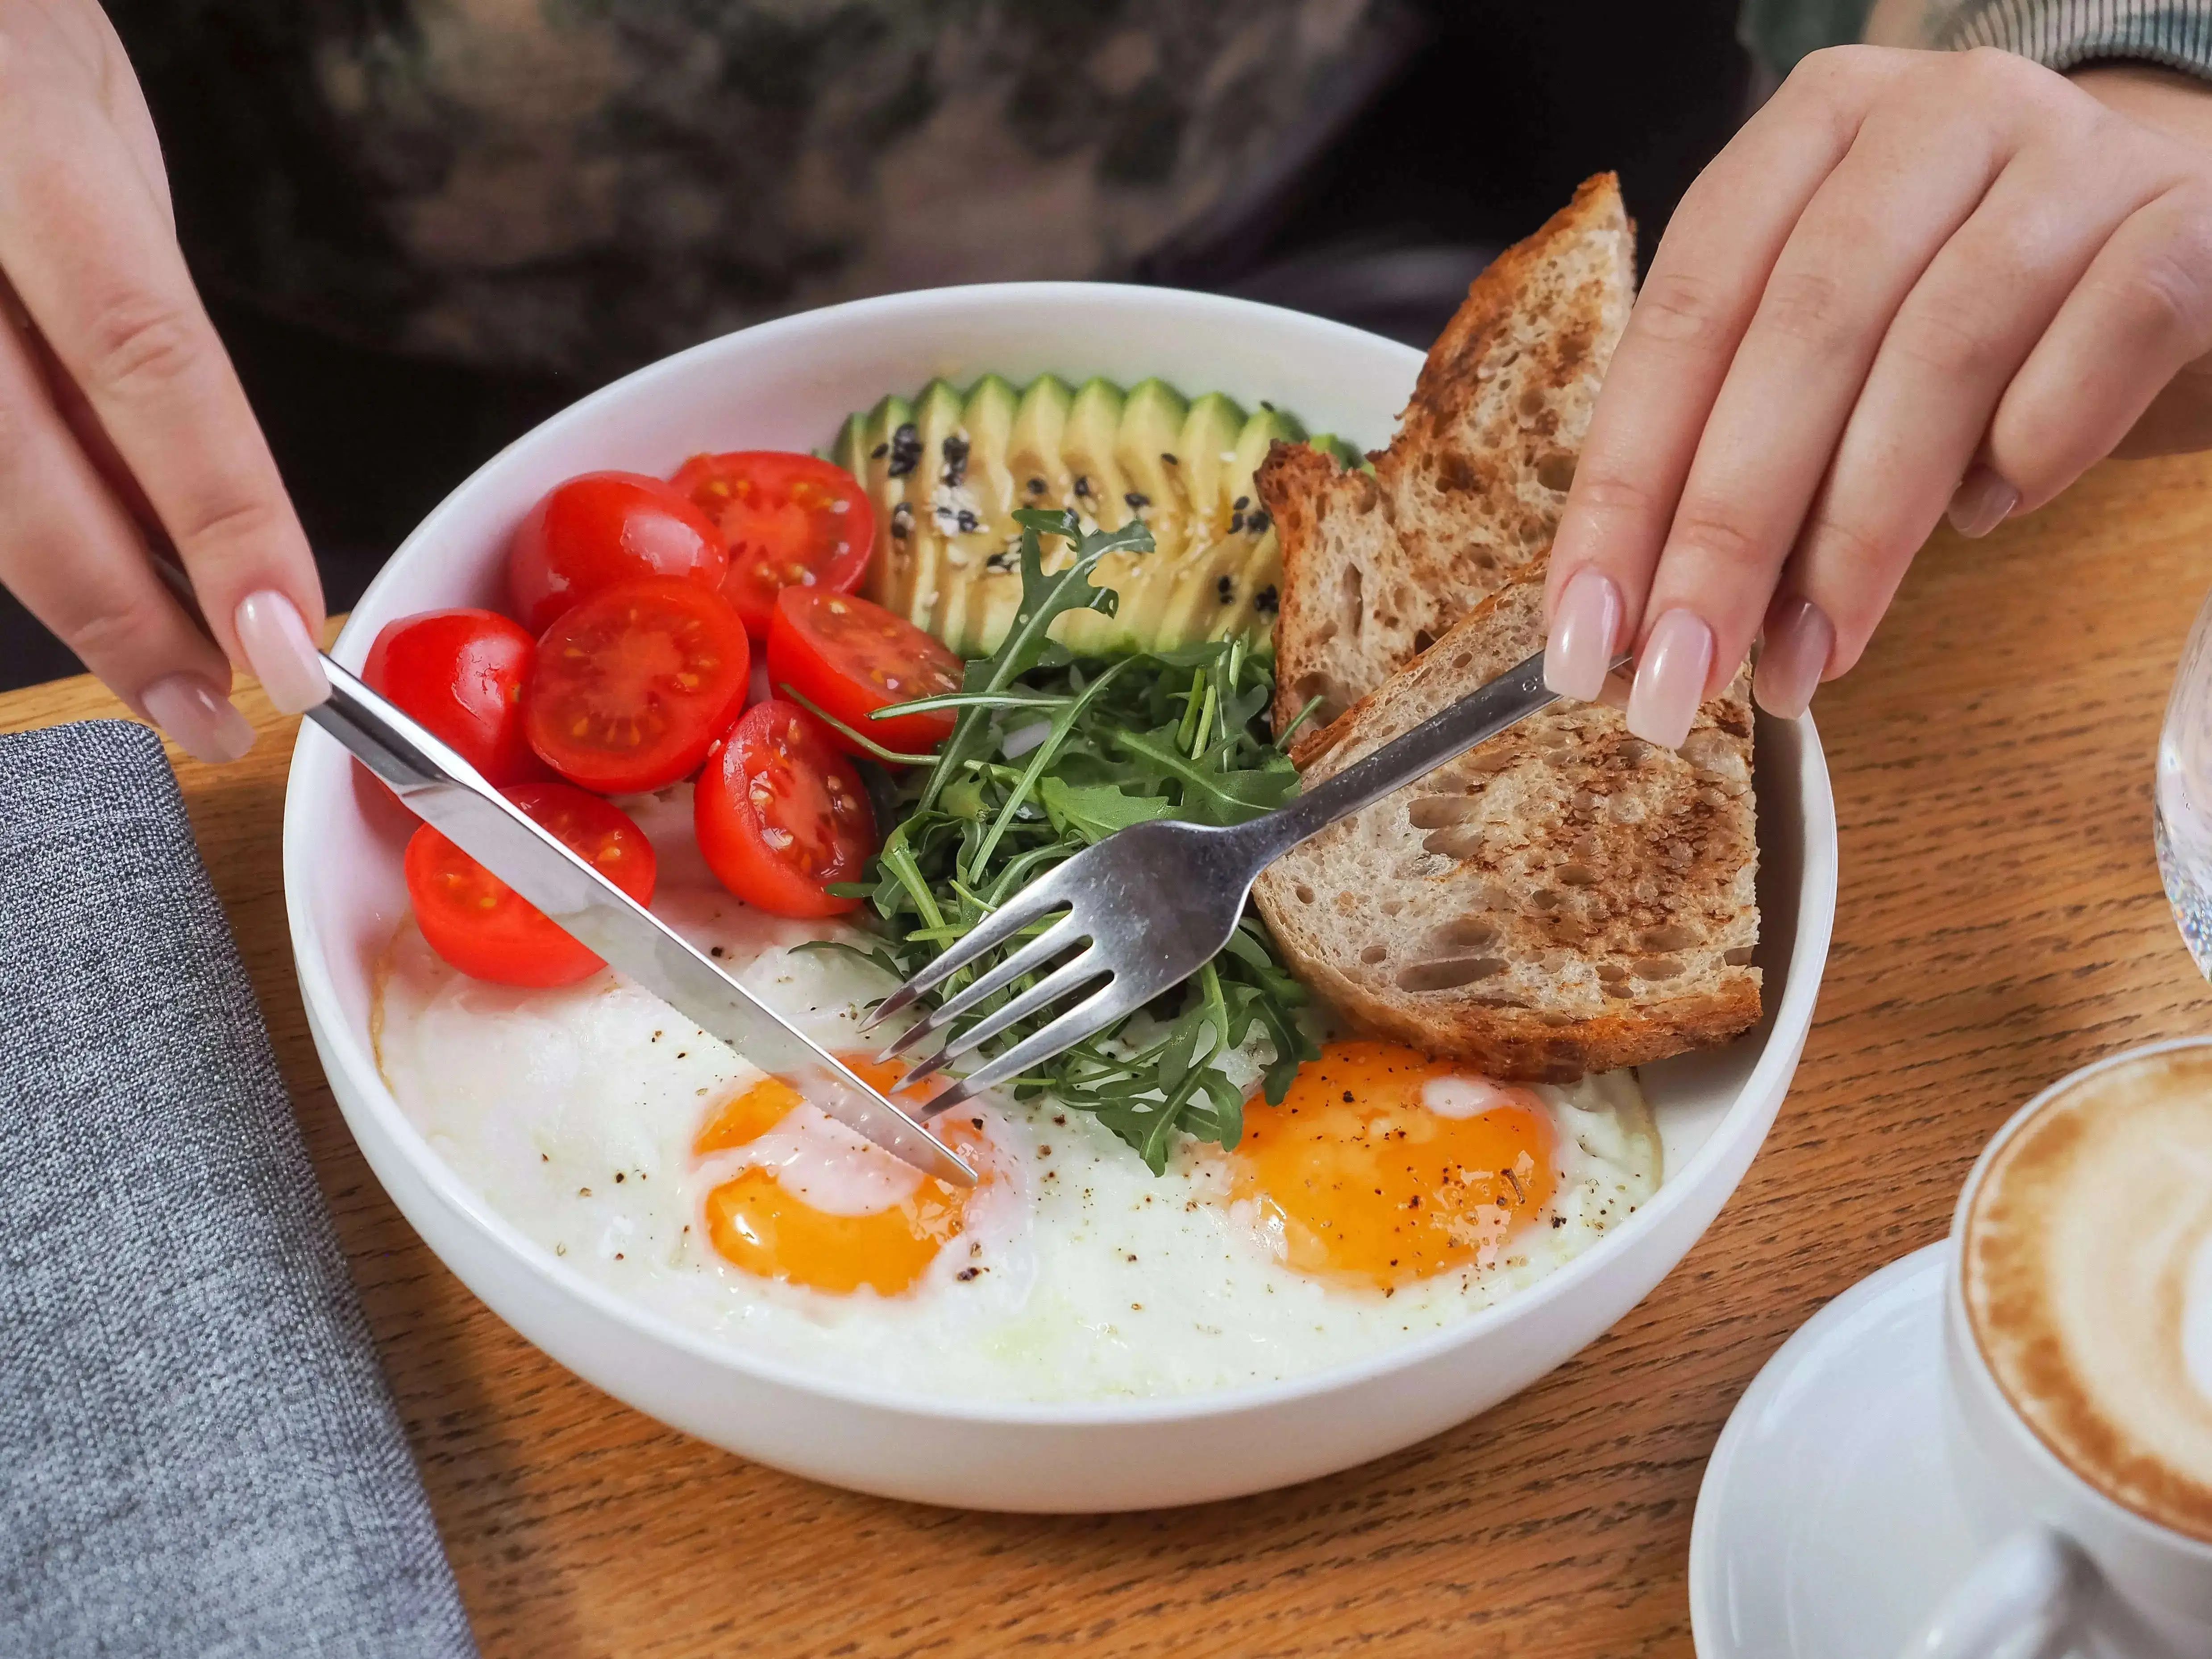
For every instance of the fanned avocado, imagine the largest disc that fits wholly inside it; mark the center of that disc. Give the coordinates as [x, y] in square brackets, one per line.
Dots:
[947, 472]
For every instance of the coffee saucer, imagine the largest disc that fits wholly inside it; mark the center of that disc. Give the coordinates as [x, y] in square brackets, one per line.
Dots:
[1829, 1525]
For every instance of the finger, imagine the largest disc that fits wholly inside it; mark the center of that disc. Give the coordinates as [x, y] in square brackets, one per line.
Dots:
[1956, 341]
[2141, 313]
[1913, 178]
[90, 255]
[71, 555]
[1700, 295]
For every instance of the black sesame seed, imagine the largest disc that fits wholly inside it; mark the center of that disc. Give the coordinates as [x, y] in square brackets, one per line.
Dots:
[1256, 521]
[906, 450]
[1168, 459]
[1235, 522]
[879, 451]
[956, 459]
[901, 521]
[1241, 502]
[1036, 486]
[1265, 601]
[1225, 589]
[970, 524]
[1082, 486]
[1137, 499]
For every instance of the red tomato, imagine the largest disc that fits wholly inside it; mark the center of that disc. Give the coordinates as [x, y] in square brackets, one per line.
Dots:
[603, 528]
[848, 657]
[480, 925]
[788, 520]
[460, 672]
[780, 814]
[631, 685]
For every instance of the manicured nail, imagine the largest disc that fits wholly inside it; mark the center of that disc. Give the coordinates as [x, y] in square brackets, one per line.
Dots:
[283, 655]
[1584, 629]
[1799, 642]
[1670, 679]
[1982, 502]
[198, 718]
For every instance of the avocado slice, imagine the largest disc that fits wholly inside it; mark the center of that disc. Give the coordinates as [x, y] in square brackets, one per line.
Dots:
[1088, 440]
[887, 435]
[937, 417]
[1033, 451]
[1152, 420]
[1205, 449]
[974, 502]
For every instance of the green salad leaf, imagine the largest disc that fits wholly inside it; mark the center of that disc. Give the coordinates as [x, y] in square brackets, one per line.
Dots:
[1052, 752]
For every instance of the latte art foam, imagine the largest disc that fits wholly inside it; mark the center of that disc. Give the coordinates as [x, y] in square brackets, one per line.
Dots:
[2088, 1282]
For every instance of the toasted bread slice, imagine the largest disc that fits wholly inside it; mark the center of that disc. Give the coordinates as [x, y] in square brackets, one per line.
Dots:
[1469, 490]
[1563, 899]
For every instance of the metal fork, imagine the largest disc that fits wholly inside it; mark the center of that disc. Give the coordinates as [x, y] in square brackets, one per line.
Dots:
[1159, 900]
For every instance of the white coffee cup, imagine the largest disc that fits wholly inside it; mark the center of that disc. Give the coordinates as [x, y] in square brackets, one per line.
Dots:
[2068, 1570]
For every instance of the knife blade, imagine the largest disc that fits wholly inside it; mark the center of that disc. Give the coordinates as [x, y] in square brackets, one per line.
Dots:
[446, 791]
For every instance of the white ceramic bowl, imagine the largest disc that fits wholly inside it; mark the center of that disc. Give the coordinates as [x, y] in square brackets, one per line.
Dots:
[787, 384]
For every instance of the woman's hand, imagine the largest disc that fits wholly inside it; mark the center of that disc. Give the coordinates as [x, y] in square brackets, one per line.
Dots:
[122, 429]
[1914, 280]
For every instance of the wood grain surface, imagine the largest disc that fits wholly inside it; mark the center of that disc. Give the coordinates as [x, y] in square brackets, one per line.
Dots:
[2000, 922]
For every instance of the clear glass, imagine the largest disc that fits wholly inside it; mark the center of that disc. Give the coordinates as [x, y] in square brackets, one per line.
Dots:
[2182, 816]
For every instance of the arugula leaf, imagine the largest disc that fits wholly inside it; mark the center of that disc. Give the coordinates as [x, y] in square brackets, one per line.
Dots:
[1096, 811]
[1177, 733]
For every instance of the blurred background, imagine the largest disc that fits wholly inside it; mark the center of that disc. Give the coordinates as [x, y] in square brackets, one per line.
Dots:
[1432, 135]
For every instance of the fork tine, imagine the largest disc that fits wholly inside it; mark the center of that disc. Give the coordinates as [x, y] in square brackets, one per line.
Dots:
[1113, 1000]
[1091, 965]
[1039, 898]
[1081, 971]
[1032, 957]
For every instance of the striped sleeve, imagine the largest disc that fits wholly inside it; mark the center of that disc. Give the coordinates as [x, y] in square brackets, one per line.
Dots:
[2063, 34]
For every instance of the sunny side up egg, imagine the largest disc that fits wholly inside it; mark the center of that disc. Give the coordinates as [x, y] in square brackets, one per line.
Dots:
[1387, 1196]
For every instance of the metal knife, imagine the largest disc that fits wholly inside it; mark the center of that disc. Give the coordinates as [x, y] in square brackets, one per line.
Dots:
[449, 792]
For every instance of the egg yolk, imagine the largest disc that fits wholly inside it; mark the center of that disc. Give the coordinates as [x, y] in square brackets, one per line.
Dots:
[1356, 1178]
[755, 1222]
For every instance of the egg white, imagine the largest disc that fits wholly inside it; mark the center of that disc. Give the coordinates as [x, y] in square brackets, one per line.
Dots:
[1079, 1274]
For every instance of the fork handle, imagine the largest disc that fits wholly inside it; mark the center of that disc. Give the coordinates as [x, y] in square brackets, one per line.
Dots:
[1475, 718]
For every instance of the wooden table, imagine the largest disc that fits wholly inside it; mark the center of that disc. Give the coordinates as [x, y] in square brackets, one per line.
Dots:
[2000, 922]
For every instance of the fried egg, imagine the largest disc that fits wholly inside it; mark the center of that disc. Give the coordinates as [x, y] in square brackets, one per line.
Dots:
[1386, 1195]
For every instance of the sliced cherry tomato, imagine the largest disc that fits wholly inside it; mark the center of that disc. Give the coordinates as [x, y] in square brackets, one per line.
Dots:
[603, 528]
[461, 672]
[849, 657]
[780, 814]
[631, 685]
[484, 928]
[788, 520]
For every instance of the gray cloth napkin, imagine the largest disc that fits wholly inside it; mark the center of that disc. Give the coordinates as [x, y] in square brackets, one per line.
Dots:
[198, 1453]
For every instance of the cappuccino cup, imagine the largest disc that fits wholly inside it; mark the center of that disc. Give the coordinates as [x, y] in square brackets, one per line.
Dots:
[2077, 1346]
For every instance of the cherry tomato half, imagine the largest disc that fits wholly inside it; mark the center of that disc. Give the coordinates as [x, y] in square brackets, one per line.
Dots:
[484, 928]
[460, 672]
[780, 814]
[788, 520]
[849, 656]
[631, 685]
[603, 528]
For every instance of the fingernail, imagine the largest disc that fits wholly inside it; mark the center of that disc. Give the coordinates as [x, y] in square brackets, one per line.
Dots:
[198, 718]
[1982, 501]
[283, 656]
[1793, 657]
[1584, 629]
[1670, 679]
